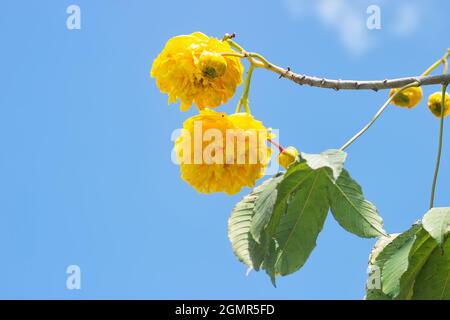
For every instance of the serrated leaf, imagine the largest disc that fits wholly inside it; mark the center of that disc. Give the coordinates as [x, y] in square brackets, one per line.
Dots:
[389, 256]
[379, 246]
[300, 210]
[244, 246]
[333, 159]
[269, 261]
[301, 172]
[419, 254]
[264, 205]
[396, 244]
[433, 281]
[353, 212]
[437, 222]
[395, 267]
[406, 259]
[305, 209]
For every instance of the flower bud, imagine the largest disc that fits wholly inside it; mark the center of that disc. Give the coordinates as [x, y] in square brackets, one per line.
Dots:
[408, 98]
[435, 104]
[287, 157]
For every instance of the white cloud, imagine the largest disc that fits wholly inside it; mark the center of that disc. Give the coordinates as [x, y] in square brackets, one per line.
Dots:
[347, 18]
[407, 19]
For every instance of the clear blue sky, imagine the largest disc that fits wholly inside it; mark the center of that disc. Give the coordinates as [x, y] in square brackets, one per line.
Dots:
[85, 170]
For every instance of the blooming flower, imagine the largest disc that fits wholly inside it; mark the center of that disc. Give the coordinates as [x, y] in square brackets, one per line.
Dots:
[222, 153]
[191, 68]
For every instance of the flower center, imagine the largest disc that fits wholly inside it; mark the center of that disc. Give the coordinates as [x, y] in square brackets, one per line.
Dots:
[437, 107]
[212, 65]
[402, 98]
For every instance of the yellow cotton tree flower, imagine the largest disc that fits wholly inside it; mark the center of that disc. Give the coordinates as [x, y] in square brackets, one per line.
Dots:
[435, 104]
[408, 98]
[222, 153]
[192, 69]
[287, 157]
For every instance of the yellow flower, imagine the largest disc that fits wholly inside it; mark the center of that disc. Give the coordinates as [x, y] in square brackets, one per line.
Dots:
[287, 157]
[222, 153]
[408, 98]
[191, 68]
[435, 104]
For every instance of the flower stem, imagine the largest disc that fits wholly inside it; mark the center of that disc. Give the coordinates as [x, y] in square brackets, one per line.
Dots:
[244, 98]
[377, 115]
[442, 60]
[234, 45]
[276, 144]
[263, 60]
[438, 160]
[233, 54]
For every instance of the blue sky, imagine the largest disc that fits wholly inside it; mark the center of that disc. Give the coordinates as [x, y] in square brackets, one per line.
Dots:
[85, 170]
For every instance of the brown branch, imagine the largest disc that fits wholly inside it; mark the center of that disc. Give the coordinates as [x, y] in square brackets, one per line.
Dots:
[376, 85]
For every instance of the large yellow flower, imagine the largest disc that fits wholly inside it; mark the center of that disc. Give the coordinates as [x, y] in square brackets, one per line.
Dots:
[191, 68]
[221, 153]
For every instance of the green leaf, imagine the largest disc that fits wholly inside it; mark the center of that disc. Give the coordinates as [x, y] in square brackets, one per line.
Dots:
[379, 246]
[333, 159]
[264, 205]
[244, 246]
[373, 284]
[310, 164]
[410, 267]
[421, 250]
[390, 256]
[300, 211]
[304, 208]
[353, 212]
[437, 223]
[395, 267]
[276, 226]
[433, 281]
[375, 294]
[269, 262]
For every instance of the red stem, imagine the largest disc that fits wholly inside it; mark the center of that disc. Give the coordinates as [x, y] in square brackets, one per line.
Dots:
[276, 145]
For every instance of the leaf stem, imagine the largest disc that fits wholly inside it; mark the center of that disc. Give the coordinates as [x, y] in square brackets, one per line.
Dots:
[441, 134]
[377, 115]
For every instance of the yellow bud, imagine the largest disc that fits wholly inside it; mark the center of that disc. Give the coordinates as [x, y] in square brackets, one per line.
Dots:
[212, 65]
[287, 157]
[435, 104]
[408, 98]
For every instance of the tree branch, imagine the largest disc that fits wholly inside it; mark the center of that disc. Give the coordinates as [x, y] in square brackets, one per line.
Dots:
[376, 85]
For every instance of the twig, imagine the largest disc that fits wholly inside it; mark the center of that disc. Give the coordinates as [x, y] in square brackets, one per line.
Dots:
[375, 85]
[376, 116]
